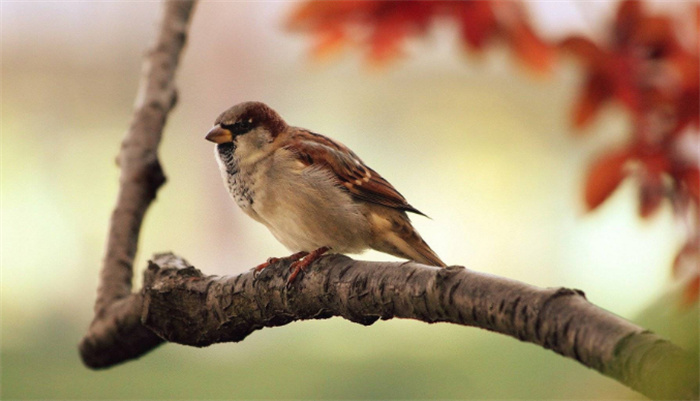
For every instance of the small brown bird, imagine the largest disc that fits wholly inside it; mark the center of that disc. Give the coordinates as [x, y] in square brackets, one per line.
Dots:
[313, 193]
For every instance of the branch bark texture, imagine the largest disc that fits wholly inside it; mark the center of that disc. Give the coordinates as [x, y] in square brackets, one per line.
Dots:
[183, 306]
[116, 308]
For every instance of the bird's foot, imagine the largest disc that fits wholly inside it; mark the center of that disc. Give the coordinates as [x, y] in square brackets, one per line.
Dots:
[300, 264]
[270, 261]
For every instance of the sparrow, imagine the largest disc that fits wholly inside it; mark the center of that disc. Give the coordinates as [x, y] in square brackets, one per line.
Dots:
[313, 193]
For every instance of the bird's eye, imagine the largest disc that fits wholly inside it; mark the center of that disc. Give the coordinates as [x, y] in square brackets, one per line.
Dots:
[239, 128]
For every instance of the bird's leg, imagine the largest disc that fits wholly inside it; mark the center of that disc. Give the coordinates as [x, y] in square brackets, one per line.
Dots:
[300, 265]
[293, 257]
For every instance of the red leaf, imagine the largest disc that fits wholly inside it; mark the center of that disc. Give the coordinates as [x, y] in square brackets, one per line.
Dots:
[311, 15]
[651, 193]
[655, 33]
[655, 160]
[329, 41]
[651, 187]
[583, 48]
[386, 41]
[689, 255]
[386, 24]
[530, 49]
[691, 292]
[688, 101]
[478, 22]
[596, 92]
[629, 14]
[690, 179]
[686, 266]
[604, 176]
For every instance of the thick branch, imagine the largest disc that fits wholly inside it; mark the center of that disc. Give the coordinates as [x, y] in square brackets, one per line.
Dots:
[185, 307]
[141, 176]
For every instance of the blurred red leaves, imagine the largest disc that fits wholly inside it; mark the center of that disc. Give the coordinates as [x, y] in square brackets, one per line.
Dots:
[642, 65]
[685, 265]
[691, 179]
[604, 177]
[478, 23]
[384, 26]
[645, 64]
[691, 291]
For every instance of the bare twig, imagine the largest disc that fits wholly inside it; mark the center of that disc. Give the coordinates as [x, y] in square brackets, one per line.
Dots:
[141, 175]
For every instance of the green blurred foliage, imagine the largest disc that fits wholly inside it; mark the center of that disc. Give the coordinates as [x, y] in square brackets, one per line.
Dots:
[331, 359]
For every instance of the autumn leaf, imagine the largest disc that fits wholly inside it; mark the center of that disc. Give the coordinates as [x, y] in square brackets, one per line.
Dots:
[530, 49]
[604, 177]
[687, 264]
[328, 42]
[594, 95]
[627, 20]
[583, 48]
[689, 255]
[383, 26]
[642, 66]
[310, 15]
[687, 68]
[651, 186]
[387, 38]
[691, 292]
[477, 21]
[651, 193]
[690, 179]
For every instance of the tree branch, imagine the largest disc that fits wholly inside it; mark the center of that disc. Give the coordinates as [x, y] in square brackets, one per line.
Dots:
[116, 320]
[183, 306]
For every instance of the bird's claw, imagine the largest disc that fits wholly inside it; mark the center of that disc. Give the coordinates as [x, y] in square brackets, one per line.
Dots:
[296, 268]
[301, 264]
[259, 268]
[271, 261]
[300, 261]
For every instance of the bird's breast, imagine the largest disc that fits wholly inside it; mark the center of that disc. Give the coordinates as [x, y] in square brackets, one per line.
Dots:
[240, 186]
[302, 206]
[240, 182]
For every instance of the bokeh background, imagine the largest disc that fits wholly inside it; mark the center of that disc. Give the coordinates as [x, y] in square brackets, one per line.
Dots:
[480, 144]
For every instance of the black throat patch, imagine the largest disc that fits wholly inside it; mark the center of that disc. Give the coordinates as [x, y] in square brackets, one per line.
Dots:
[226, 154]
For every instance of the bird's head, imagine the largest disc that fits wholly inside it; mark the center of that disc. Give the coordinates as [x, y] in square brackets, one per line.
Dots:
[249, 126]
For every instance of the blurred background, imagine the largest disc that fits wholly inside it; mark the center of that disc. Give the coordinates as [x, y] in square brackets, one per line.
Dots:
[481, 144]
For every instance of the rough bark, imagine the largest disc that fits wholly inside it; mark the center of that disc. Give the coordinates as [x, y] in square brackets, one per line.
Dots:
[183, 306]
[116, 322]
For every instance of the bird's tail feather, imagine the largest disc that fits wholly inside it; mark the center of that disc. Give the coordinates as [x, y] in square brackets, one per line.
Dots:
[405, 242]
[427, 255]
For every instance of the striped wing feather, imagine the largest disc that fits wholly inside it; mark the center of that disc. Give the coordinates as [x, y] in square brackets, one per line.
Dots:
[361, 181]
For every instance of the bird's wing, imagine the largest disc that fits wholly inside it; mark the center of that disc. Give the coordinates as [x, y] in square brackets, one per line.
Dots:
[361, 181]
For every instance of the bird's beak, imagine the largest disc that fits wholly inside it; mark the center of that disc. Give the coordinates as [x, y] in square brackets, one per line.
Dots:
[219, 135]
